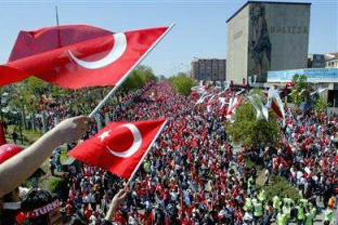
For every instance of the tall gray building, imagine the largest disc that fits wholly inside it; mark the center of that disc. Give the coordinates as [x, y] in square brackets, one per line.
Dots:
[208, 69]
[265, 36]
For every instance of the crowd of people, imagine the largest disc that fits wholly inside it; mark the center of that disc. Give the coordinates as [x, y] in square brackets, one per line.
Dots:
[193, 175]
[307, 156]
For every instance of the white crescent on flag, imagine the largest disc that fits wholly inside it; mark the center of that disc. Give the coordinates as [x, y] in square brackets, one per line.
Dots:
[117, 51]
[134, 147]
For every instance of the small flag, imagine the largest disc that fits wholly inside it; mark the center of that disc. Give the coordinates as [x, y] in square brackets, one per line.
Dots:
[234, 103]
[120, 147]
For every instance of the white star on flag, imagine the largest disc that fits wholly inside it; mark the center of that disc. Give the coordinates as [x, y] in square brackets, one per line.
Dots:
[104, 135]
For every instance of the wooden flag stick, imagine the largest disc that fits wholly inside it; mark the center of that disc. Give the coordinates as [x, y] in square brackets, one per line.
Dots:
[105, 99]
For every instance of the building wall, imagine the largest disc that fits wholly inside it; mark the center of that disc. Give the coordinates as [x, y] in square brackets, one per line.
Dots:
[267, 36]
[208, 69]
[237, 46]
[278, 37]
[314, 75]
[318, 61]
[332, 63]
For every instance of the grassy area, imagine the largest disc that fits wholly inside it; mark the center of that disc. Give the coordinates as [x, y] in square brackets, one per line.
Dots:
[278, 185]
[64, 154]
[29, 136]
[48, 181]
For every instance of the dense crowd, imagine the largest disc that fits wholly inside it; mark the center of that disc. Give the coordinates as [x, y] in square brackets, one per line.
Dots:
[307, 157]
[191, 170]
[193, 175]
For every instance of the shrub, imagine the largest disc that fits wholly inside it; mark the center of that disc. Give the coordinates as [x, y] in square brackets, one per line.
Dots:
[182, 83]
[279, 185]
[54, 184]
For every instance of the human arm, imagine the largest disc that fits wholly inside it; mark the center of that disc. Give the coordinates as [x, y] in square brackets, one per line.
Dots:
[117, 200]
[17, 169]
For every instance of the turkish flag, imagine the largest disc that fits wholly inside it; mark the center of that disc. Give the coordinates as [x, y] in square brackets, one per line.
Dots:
[77, 56]
[120, 146]
[9, 150]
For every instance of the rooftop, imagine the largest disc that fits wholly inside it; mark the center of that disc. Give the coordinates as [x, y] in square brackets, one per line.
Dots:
[331, 56]
[266, 2]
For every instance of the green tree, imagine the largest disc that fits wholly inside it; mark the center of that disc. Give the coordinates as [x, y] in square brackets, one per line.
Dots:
[301, 90]
[249, 131]
[139, 77]
[182, 83]
[321, 105]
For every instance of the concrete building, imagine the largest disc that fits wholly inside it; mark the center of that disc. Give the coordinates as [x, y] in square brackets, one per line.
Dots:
[316, 61]
[264, 36]
[208, 69]
[331, 60]
[319, 77]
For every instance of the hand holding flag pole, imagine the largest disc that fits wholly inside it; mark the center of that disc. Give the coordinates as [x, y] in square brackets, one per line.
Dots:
[117, 200]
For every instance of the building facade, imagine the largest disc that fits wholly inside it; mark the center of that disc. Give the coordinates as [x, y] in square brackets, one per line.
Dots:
[316, 61]
[264, 36]
[320, 77]
[208, 69]
[331, 60]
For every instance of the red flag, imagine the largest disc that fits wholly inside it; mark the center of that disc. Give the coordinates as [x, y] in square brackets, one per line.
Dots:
[235, 103]
[2, 135]
[77, 56]
[120, 146]
[8, 150]
[276, 109]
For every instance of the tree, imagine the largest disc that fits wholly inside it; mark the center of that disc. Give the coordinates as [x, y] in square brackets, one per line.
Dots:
[301, 90]
[182, 83]
[139, 77]
[249, 131]
[321, 105]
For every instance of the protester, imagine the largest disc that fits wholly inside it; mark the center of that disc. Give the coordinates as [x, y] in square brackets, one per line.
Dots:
[192, 175]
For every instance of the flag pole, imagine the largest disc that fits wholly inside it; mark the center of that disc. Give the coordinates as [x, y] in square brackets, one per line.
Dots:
[105, 99]
[58, 24]
[146, 153]
[57, 15]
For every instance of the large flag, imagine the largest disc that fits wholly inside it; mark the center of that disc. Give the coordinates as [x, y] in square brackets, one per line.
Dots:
[261, 110]
[2, 135]
[278, 106]
[119, 147]
[275, 102]
[77, 56]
